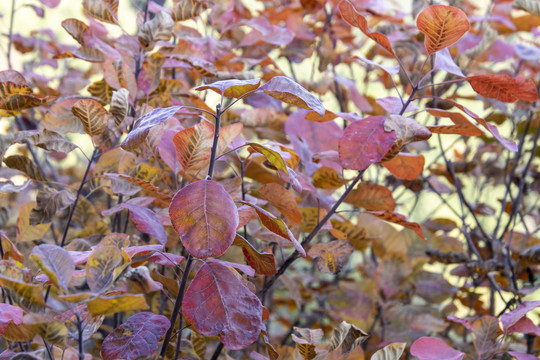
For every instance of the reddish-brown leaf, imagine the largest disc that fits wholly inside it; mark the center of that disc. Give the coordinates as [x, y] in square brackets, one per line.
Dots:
[217, 303]
[428, 348]
[92, 115]
[351, 16]
[286, 90]
[400, 220]
[187, 9]
[405, 166]
[442, 26]
[365, 142]
[263, 263]
[205, 217]
[371, 196]
[231, 88]
[282, 199]
[462, 126]
[75, 28]
[504, 88]
[146, 221]
[277, 226]
[104, 10]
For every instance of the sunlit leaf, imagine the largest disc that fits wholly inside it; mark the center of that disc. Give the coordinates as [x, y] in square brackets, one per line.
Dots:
[286, 90]
[108, 305]
[504, 88]
[25, 231]
[55, 262]
[138, 336]
[442, 26]
[194, 146]
[272, 156]
[119, 105]
[282, 199]
[365, 142]
[187, 9]
[217, 303]
[205, 217]
[327, 178]
[231, 88]
[92, 115]
[371, 196]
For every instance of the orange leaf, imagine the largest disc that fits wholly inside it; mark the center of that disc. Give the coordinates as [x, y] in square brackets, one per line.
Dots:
[194, 145]
[400, 220]
[330, 257]
[405, 166]
[263, 263]
[351, 16]
[442, 26]
[282, 199]
[504, 88]
[371, 196]
[462, 125]
[314, 116]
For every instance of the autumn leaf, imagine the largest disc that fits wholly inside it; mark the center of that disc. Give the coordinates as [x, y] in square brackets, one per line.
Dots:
[504, 88]
[92, 115]
[104, 10]
[159, 28]
[405, 166]
[145, 123]
[282, 199]
[236, 311]
[428, 348]
[400, 220]
[231, 88]
[371, 196]
[442, 26]
[331, 257]
[286, 90]
[187, 9]
[263, 263]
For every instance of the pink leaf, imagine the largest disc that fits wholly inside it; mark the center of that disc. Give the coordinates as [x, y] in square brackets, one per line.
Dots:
[522, 356]
[146, 221]
[287, 90]
[524, 326]
[431, 348]
[510, 318]
[217, 303]
[365, 142]
[145, 123]
[9, 313]
[444, 61]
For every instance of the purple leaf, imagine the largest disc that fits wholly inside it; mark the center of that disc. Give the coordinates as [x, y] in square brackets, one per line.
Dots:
[145, 123]
[510, 318]
[286, 90]
[522, 356]
[444, 61]
[138, 336]
[146, 221]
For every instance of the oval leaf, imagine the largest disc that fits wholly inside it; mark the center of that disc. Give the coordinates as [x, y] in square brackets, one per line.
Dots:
[431, 348]
[205, 217]
[100, 267]
[442, 26]
[92, 115]
[138, 336]
[146, 221]
[217, 303]
[405, 166]
[282, 199]
[55, 262]
[231, 88]
[263, 263]
[504, 88]
[390, 352]
[365, 142]
[286, 90]
[371, 196]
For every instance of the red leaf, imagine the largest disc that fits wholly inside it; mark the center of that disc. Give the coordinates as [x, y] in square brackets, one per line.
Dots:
[431, 348]
[286, 90]
[491, 128]
[145, 123]
[146, 221]
[442, 26]
[277, 226]
[522, 356]
[524, 326]
[8, 314]
[205, 217]
[365, 142]
[405, 166]
[263, 263]
[217, 303]
[462, 125]
[510, 318]
[231, 88]
[138, 336]
[351, 16]
[400, 220]
[504, 88]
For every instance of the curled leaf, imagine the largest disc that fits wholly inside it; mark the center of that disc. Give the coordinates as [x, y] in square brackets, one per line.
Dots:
[286, 90]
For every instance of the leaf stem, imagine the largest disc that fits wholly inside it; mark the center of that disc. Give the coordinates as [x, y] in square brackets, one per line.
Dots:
[79, 191]
[214, 143]
[176, 309]
[10, 36]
